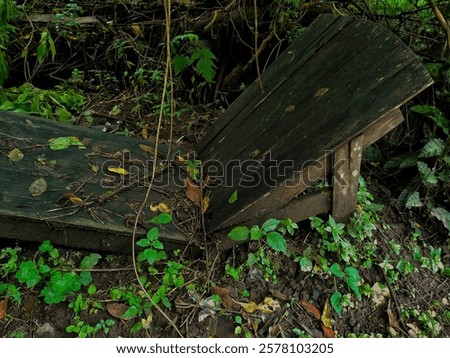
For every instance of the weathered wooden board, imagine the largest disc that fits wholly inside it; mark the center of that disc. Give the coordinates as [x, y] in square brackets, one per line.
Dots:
[102, 222]
[336, 81]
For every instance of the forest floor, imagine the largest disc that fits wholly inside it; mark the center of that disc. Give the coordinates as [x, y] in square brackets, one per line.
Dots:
[404, 290]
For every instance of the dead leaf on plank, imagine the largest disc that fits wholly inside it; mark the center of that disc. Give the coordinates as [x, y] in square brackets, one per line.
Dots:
[118, 170]
[310, 309]
[147, 149]
[15, 155]
[70, 197]
[38, 187]
[205, 204]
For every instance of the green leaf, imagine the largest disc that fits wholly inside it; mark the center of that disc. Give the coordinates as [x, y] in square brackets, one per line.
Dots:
[433, 148]
[63, 115]
[153, 234]
[306, 264]
[90, 261]
[131, 312]
[51, 44]
[150, 255]
[335, 269]
[42, 49]
[92, 289]
[413, 201]
[336, 302]
[353, 280]
[239, 233]
[233, 197]
[426, 174]
[276, 241]
[180, 63]
[402, 161]
[143, 243]
[442, 215]
[206, 69]
[163, 218]
[28, 273]
[435, 114]
[270, 225]
[256, 233]
[46, 246]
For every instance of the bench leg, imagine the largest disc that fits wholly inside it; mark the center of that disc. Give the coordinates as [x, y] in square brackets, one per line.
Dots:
[346, 169]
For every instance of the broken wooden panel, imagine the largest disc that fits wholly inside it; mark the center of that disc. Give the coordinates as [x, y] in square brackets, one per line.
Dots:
[346, 169]
[84, 205]
[358, 73]
[272, 203]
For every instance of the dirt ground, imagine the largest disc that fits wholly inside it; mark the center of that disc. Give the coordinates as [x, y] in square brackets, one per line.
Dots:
[289, 316]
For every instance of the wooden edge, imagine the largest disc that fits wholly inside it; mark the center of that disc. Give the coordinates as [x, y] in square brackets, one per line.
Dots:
[279, 197]
[346, 169]
[298, 210]
[70, 235]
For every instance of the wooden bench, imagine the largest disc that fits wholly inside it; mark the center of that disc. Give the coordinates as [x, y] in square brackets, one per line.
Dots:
[334, 91]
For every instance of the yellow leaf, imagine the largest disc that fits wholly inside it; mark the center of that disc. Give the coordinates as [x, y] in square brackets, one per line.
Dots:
[181, 159]
[75, 200]
[147, 148]
[144, 132]
[326, 315]
[205, 204]
[251, 307]
[15, 155]
[153, 207]
[118, 170]
[137, 30]
[95, 168]
[163, 208]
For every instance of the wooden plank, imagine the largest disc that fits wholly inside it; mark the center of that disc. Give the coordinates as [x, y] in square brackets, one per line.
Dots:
[347, 164]
[315, 36]
[268, 204]
[311, 128]
[98, 223]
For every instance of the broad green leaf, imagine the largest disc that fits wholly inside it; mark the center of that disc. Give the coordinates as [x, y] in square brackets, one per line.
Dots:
[435, 114]
[433, 148]
[163, 218]
[239, 233]
[180, 63]
[442, 215]
[336, 302]
[413, 201]
[256, 233]
[51, 44]
[402, 161]
[90, 261]
[143, 243]
[276, 241]
[306, 264]
[233, 197]
[426, 173]
[28, 273]
[153, 234]
[335, 269]
[270, 225]
[353, 280]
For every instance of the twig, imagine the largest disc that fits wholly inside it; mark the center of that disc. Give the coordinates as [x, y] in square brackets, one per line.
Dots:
[444, 23]
[258, 70]
[154, 168]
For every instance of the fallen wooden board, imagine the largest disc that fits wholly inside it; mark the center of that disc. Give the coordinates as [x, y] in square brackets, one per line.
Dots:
[104, 220]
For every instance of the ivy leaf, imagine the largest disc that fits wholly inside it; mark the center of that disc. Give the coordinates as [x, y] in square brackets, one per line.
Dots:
[413, 201]
[427, 175]
[239, 233]
[276, 241]
[353, 280]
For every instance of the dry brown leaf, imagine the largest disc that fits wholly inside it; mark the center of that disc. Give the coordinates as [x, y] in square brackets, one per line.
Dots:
[116, 309]
[3, 308]
[310, 308]
[192, 191]
[326, 315]
[392, 319]
[144, 132]
[225, 296]
[328, 332]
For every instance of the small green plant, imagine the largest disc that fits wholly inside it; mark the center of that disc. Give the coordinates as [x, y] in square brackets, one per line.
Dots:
[241, 329]
[84, 330]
